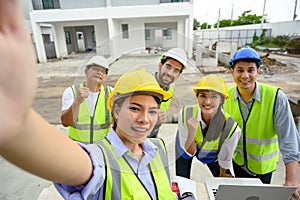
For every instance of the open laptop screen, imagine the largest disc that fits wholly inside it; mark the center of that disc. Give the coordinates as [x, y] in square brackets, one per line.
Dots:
[212, 184]
[255, 192]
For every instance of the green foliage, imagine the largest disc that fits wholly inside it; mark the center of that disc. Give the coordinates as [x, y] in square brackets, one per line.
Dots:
[247, 18]
[196, 24]
[280, 41]
[244, 19]
[223, 23]
[204, 25]
[255, 37]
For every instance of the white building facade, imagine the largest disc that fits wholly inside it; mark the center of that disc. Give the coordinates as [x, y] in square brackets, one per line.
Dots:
[110, 27]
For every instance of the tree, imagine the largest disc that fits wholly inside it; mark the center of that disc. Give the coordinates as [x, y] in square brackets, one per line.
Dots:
[247, 18]
[244, 19]
[196, 24]
[223, 23]
[205, 26]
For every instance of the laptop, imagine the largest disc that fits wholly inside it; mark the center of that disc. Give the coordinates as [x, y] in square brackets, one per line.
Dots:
[245, 189]
[255, 192]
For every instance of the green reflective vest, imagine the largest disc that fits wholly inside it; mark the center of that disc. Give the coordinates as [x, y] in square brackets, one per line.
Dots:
[165, 104]
[209, 150]
[257, 148]
[121, 181]
[89, 129]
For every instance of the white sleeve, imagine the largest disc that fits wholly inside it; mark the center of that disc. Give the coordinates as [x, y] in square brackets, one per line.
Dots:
[67, 99]
[182, 131]
[226, 152]
[182, 134]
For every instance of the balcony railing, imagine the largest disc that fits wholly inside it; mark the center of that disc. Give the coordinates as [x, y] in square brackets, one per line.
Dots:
[45, 4]
[173, 1]
[55, 4]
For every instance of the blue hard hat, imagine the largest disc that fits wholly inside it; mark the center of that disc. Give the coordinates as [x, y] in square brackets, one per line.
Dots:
[245, 53]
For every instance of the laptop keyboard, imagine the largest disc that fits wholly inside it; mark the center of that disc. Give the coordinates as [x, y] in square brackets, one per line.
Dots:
[215, 190]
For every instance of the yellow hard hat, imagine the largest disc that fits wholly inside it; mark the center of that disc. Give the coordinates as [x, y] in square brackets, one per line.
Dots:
[212, 82]
[137, 80]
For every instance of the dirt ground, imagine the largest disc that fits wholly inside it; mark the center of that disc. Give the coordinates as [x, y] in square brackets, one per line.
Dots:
[56, 75]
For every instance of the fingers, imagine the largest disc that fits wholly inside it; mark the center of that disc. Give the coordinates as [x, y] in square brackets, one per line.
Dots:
[161, 117]
[193, 122]
[82, 94]
[296, 194]
[11, 19]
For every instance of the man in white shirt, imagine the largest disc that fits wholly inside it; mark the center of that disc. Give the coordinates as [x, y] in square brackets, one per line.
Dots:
[84, 109]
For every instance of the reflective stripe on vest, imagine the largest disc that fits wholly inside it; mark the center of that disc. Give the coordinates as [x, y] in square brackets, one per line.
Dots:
[257, 148]
[89, 129]
[209, 150]
[165, 104]
[121, 181]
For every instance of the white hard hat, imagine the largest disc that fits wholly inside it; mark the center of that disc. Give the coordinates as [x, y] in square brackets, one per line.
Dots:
[97, 61]
[177, 54]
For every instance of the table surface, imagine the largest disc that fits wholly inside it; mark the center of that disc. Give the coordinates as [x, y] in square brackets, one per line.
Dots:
[202, 192]
[188, 185]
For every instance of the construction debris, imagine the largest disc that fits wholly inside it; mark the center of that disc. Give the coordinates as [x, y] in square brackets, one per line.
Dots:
[294, 46]
[272, 66]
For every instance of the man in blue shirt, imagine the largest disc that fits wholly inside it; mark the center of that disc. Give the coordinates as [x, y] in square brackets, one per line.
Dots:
[267, 124]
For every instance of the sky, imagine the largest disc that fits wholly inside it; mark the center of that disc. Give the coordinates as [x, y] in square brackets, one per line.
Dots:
[276, 10]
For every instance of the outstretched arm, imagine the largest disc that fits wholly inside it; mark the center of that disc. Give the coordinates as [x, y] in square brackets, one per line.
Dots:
[26, 139]
[291, 177]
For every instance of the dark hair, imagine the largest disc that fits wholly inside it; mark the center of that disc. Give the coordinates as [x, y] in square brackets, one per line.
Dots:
[165, 58]
[247, 60]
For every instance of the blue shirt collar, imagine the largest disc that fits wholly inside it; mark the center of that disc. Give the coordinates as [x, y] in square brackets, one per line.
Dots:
[120, 148]
[256, 95]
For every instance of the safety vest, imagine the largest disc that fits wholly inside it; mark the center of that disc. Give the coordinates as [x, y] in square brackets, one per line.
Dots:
[165, 104]
[89, 129]
[257, 149]
[209, 150]
[121, 182]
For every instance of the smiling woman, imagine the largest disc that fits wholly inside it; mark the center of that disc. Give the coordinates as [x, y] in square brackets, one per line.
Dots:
[136, 97]
[206, 131]
[126, 151]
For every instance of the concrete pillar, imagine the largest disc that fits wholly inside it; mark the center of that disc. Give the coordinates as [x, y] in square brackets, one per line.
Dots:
[103, 46]
[210, 43]
[199, 52]
[190, 34]
[181, 39]
[38, 40]
[113, 43]
[233, 49]
[60, 41]
[216, 60]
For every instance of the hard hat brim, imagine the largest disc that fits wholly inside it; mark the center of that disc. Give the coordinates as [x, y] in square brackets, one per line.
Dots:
[182, 61]
[161, 94]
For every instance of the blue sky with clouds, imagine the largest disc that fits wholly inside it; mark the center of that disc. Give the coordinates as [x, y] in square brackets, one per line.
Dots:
[276, 10]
